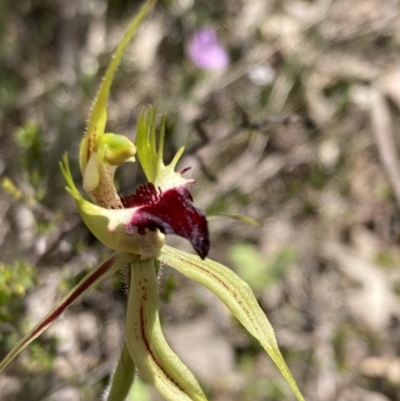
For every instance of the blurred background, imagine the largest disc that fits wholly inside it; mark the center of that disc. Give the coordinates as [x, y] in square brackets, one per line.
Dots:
[288, 110]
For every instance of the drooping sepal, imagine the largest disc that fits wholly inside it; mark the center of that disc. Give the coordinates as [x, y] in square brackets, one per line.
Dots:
[237, 296]
[103, 270]
[155, 361]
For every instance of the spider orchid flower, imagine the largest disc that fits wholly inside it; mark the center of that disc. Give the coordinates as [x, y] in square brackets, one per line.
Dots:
[134, 227]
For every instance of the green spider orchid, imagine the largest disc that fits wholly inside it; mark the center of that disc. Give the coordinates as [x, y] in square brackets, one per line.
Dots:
[134, 227]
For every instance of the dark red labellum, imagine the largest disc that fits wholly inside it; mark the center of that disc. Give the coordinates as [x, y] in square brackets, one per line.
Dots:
[172, 212]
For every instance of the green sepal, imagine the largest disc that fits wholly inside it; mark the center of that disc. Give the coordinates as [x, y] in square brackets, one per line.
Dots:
[156, 363]
[237, 296]
[100, 272]
[98, 115]
[122, 378]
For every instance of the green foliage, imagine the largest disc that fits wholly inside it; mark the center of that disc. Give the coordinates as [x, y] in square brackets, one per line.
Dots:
[9, 186]
[259, 271]
[9, 88]
[261, 389]
[168, 288]
[387, 259]
[33, 161]
[317, 178]
[15, 280]
[41, 355]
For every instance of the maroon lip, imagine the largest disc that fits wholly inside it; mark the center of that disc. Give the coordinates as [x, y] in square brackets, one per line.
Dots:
[172, 212]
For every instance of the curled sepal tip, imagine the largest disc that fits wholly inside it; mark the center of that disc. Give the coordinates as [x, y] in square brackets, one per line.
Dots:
[237, 296]
[156, 362]
[103, 270]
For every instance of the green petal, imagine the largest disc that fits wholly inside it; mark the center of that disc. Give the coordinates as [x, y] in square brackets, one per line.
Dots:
[98, 115]
[154, 359]
[123, 377]
[103, 270]
[237, 296]
[109, 225]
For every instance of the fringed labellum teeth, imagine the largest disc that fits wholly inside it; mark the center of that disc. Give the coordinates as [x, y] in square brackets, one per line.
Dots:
[172, 212]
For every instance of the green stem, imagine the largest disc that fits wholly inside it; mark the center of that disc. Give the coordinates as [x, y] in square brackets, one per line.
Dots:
[123, 377]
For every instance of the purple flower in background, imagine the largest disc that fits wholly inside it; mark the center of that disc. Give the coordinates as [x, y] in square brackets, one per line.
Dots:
[205, 51]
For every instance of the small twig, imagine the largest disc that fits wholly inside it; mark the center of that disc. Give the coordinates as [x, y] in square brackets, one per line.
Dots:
[382, 129]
